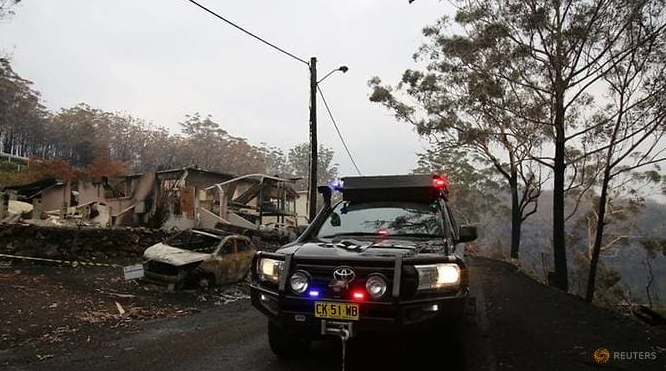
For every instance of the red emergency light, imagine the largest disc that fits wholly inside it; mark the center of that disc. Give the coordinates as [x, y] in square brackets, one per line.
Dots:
[358, 295]
[440, 182]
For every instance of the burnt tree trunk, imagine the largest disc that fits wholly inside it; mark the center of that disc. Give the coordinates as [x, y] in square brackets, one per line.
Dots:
[598, 235]
[561, 280]
[516, 217]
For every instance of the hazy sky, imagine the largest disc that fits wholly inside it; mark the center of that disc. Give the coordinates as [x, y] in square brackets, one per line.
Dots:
[162, 59]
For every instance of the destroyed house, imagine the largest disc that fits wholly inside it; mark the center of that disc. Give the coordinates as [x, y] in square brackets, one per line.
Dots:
[192, 197]
[171, 199]
[56, 194]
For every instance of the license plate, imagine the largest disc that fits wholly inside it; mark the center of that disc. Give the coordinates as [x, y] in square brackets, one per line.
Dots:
[326, 309]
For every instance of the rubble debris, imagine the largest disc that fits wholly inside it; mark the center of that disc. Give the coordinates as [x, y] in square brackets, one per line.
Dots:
[116, 294]
[121, 310]
[232, 295]
[19, 207]
[199, 257]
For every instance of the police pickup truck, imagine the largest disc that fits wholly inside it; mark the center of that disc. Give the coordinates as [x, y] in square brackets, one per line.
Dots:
[386, 259]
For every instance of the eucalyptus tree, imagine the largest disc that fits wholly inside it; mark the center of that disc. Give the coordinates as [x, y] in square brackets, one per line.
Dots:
[552, 57]
[628, 136]
[463, 107]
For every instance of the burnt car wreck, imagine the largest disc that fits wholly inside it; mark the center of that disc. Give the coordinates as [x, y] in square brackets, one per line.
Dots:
[199, 257]
[387, 259]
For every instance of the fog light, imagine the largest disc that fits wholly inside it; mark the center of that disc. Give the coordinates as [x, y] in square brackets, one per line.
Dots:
[376, 286]
[299, 282]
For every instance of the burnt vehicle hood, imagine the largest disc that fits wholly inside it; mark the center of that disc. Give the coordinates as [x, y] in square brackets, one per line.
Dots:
[173, 255]
[355, 247]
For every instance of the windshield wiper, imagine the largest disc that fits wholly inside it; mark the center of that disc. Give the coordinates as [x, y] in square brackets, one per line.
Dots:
[425, 235]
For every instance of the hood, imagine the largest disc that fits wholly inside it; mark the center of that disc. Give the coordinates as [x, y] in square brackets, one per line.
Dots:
[173, 255]
[351, 247]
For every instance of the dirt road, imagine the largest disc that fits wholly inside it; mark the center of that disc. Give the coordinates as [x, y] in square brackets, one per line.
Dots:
[521, 325]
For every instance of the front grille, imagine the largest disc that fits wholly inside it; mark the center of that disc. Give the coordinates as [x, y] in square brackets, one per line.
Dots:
[322, 275]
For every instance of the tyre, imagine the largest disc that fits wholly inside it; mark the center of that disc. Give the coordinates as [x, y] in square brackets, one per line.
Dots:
[286, 345]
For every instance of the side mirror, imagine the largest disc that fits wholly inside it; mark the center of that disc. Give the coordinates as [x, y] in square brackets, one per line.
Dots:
[301, 228]
[335, 219]
[326, 192]
[467, 233]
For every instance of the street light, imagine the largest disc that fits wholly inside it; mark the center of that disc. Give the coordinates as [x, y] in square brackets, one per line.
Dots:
[312, 197]
[343, 69]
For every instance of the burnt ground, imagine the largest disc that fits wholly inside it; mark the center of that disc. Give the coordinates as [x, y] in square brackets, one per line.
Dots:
[50, 311]
[520, 325]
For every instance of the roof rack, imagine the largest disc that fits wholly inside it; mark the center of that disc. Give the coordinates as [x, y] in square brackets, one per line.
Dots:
[410, 188]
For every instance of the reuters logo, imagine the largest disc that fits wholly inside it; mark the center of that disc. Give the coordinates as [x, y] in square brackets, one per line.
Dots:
[601, 356]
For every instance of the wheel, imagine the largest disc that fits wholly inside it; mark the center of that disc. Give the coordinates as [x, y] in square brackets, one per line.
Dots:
[286, 345]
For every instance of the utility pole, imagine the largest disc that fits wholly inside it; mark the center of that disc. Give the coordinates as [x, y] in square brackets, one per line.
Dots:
[312, 197]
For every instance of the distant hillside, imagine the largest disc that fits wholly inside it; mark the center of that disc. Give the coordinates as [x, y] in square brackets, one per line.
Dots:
[628, 259]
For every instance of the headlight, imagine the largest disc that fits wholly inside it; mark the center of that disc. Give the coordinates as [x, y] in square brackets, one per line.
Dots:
[269, 269]
[376, 285]
[435, 276]
[299, 282]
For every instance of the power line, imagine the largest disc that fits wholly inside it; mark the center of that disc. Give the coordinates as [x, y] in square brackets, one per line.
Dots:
[344, 144]
[249, 33]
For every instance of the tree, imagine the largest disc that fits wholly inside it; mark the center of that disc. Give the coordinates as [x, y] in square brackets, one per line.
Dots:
[276, 160]
[102, 166]
[76, 133]
[6, 7]
[629, 130]
[39, 170]
[552, 56]
[652, 247]
[22, 116]
[474, 191]
[462, 106]
[211, 147]
[299, 163]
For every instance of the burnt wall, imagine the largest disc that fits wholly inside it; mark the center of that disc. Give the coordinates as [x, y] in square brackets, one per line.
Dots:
[75, 243]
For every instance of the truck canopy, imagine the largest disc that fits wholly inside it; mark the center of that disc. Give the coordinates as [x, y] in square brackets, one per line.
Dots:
[408, 188]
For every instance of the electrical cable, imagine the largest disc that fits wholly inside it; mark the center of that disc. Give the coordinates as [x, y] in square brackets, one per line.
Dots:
[249, 33]
[342, 139]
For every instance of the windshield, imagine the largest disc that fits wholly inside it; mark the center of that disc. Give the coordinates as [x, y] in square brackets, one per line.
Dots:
[381, 218]
[195, 240]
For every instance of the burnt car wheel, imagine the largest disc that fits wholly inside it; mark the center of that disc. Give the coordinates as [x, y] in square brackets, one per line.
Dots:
[284, 344]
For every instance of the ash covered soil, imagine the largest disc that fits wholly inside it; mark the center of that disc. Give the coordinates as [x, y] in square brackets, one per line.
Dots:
[50, 311]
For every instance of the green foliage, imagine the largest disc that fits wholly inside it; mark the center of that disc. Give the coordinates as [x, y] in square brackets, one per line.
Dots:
[297, 162]
[474, 191]
[654, 245]
[211, 147]
[609, 278]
